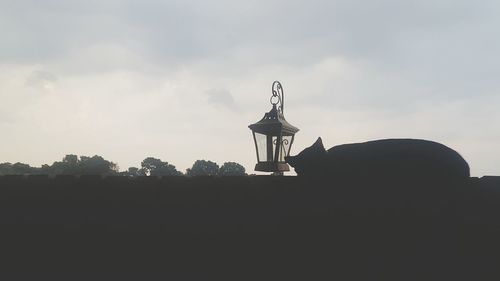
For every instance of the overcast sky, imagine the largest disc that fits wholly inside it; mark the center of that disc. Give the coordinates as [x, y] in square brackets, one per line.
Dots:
[182, 80]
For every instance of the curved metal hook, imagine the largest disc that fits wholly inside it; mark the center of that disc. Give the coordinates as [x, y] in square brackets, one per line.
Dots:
[278, 92]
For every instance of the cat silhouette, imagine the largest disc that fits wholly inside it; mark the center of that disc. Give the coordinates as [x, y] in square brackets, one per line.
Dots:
[386, 158]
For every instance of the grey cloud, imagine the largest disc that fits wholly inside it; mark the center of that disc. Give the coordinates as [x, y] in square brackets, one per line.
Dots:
[291, 32]
[221, 97]
[40, 78]
[431, 40]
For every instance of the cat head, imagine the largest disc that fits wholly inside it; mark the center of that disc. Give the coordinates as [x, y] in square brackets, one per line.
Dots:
[310, 160]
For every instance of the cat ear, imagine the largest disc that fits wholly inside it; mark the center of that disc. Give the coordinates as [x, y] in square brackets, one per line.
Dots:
[319, 144]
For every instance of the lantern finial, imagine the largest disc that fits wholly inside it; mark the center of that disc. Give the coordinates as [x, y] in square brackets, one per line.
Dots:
[278, 96]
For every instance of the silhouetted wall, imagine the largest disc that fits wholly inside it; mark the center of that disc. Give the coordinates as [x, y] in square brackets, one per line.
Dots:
[290, 226]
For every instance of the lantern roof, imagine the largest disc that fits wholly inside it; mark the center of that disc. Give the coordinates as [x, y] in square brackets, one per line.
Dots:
[274, 123]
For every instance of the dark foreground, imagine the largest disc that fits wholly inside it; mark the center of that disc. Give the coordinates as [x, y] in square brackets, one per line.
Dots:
[256, 228]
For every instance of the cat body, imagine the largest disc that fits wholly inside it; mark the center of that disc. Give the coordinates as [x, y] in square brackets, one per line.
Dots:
[387, 158]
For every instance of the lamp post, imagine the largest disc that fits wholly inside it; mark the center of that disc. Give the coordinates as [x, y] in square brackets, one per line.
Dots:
[273, 135]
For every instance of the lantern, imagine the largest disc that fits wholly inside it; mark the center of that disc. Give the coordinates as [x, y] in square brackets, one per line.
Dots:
[273, 135]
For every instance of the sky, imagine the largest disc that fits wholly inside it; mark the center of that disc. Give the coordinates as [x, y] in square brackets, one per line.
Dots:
[182, 80]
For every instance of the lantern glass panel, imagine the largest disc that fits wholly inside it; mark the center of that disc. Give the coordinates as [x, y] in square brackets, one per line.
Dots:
[261, 141]
[286, 143]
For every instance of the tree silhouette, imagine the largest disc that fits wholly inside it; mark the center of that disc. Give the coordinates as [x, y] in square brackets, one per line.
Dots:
[68, 166]
[44, 170]
[232, 169]
[6, 169]
[133, 172]
[155, 167]
[21, 169]
[96, 165]
[71, 159]
[71, 165]
[203, 168]
[16, 169]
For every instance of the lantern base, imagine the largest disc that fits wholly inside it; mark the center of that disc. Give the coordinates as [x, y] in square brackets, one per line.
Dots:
[272, 167]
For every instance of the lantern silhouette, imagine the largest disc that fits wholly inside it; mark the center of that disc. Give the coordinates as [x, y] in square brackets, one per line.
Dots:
[273, 135]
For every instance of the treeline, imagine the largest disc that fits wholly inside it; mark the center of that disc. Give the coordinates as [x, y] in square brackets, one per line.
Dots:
[96, 165]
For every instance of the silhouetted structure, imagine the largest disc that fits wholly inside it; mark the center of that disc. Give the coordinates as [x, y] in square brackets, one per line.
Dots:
[273, 135]
[277, 227]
